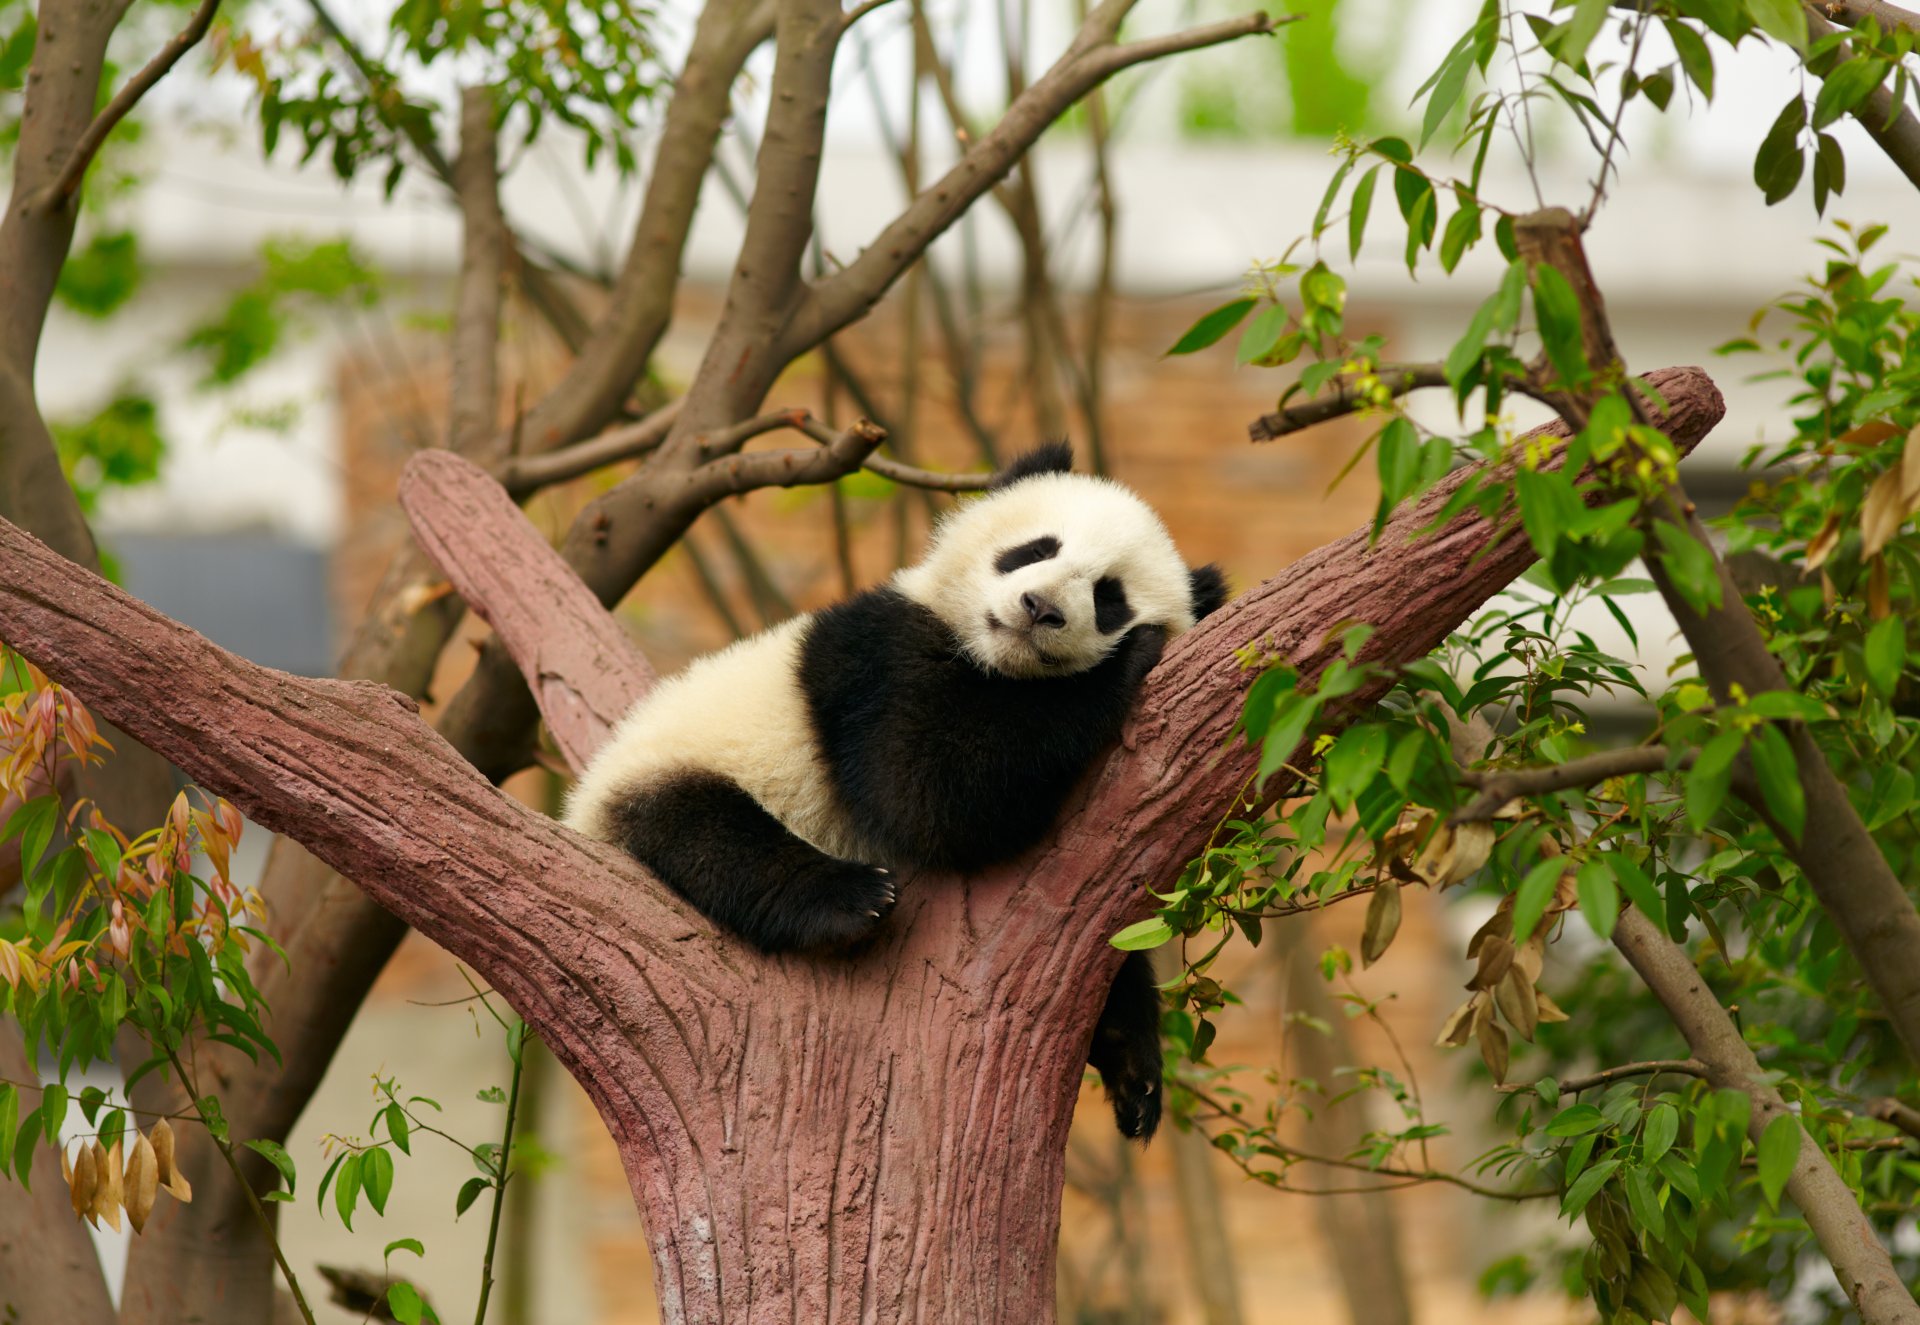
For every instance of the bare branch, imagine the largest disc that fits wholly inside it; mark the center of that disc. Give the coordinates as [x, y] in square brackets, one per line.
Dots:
[1089, 61]
[1499, 786]
[525, 475]
[731, 475]
[1892, 1111]
[860, 11]
[127, 98]
[1351, 392]
[474, 393]
[1843, 1231]
[1851, 13]
[1685, 1067]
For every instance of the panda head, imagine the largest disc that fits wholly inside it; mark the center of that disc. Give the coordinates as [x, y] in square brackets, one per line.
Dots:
[1045, 573]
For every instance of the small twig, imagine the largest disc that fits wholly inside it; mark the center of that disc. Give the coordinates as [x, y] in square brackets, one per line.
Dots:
[1498, 787]
[500, 1183]
[860, 11]
[125, 99]
[524, 475]
[246, 1188]
[1348, 396]
[1686, 1067]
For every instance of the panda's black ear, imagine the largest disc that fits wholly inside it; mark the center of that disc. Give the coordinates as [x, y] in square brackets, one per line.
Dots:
[1052, 458]
[1209, 589]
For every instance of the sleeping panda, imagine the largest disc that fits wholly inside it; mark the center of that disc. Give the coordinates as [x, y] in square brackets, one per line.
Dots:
[786, 784]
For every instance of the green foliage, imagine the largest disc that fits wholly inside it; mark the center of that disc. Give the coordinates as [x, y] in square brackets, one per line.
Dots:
[1680, 1191]
[1331, 62]
[118, 447]
[102, 274]
[297, 279]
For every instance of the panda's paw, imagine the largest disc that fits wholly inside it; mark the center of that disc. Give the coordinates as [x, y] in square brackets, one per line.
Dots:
[1136, 1105]
[1141, 649]
[850, 903]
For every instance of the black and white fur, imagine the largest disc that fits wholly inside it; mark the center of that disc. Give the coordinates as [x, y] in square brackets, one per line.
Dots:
[784, 785]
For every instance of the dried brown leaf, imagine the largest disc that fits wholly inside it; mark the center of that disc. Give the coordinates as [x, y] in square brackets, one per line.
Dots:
[82, 1179]
[1383, 921]
[1493, 1047]
[1532, 957]
[1868, 434]
[143, 1182]
[1879, 590]
[1882, 514]
[1822, 544]
[1496, 958]
[110, 1195]
[1545, 1008]
[1458, 1026]
[1514, 995]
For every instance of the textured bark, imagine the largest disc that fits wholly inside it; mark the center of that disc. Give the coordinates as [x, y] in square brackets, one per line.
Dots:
[1845, 1234]
[861, 1139]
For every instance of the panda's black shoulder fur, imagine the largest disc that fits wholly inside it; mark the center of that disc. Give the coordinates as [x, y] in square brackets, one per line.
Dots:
[1054, 457]
[938, 762]
[1209, 590]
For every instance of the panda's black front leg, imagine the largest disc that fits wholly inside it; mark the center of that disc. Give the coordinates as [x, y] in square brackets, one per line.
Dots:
[717, 847]
[1126, 1048]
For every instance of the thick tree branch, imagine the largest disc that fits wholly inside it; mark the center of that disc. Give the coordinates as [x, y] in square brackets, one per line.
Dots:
[1851, 13]
[127, 98]
[1891, 124]
[584, 671]
[1851, 878]
[1092, 58]
[1845, 1234]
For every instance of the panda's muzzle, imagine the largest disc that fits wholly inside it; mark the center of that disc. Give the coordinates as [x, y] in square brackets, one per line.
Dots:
[1041, 612]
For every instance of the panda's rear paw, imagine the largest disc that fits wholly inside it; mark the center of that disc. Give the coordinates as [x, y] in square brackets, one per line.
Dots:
[849, 903]
[1136, 1105]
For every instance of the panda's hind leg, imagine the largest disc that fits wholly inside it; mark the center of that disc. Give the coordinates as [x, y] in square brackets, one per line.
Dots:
[717, 847]
[1126, 1047]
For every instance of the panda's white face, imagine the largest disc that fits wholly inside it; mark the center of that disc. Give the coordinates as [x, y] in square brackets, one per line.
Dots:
[1044, 577]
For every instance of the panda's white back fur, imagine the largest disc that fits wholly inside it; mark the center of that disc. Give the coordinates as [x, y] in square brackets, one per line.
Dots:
[740, 713]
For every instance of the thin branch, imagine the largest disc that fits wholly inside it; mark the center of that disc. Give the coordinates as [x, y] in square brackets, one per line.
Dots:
[1844, 1232]
[1851, 13]
[1499, 786]
[1090, 60]
[1686, 1067]
[1892, 1111]
[474, 391]
[500, 1181]
[731, 475]
[126, 99]
[525, 475]
[1351, 392]
[860, 11]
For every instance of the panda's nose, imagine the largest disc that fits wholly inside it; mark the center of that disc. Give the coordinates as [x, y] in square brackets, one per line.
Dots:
[1041, 612]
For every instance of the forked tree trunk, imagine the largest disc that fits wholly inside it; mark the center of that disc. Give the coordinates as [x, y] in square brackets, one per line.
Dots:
[873, 1139]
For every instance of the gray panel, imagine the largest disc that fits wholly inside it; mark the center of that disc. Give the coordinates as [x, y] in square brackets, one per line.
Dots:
[261, 597]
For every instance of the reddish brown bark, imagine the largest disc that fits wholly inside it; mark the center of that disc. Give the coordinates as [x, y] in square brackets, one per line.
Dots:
[857, 1140]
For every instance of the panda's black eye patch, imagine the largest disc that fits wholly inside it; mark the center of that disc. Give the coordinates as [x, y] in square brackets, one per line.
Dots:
[1039, 549]
[1110, 607]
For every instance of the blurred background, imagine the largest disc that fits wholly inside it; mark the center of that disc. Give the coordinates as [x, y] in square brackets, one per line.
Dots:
[247, 350]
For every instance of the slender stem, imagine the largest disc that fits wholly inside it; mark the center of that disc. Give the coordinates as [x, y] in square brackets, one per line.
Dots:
[260, 1214]
[500, 1184]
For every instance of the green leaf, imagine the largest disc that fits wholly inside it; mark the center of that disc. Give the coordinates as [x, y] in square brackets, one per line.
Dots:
[1570, 48]
[516, 1040]
[377, 1177]
[23, 1144]
[1398, 453]
[1779, 1151]
[1575, 1120]
[33, 824]
[1531, 898]
[346, 1188]
[1646, 1208]
[1357, 213]
[397, 1128]
[1141, 935]
[1638, 887]
[1599, 899]
[1448, 83]
[1556, 310]
[404, 1303]
[1690, 564]
[469, 1192]
[1778, 773]
[413, 1245]
[1695, 58]
[1261, 335]
[53, 1111]
[1658, 1133]
[1463, 231]
[1850, 83]
[1709, 778]
[9, 1121]
[1778, 164]
[1783, 20]
[276, 1155]
[1587, 1186]
[1212, 326]
[1886, 655]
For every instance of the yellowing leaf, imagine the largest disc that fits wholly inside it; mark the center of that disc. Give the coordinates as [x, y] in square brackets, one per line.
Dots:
[142, 1182]
[1882, 514]
[1383, 921]
[1821, 546]
[1514, 995]
[84, 1179]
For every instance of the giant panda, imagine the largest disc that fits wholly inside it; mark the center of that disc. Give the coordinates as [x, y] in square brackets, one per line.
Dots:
[785, 785]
